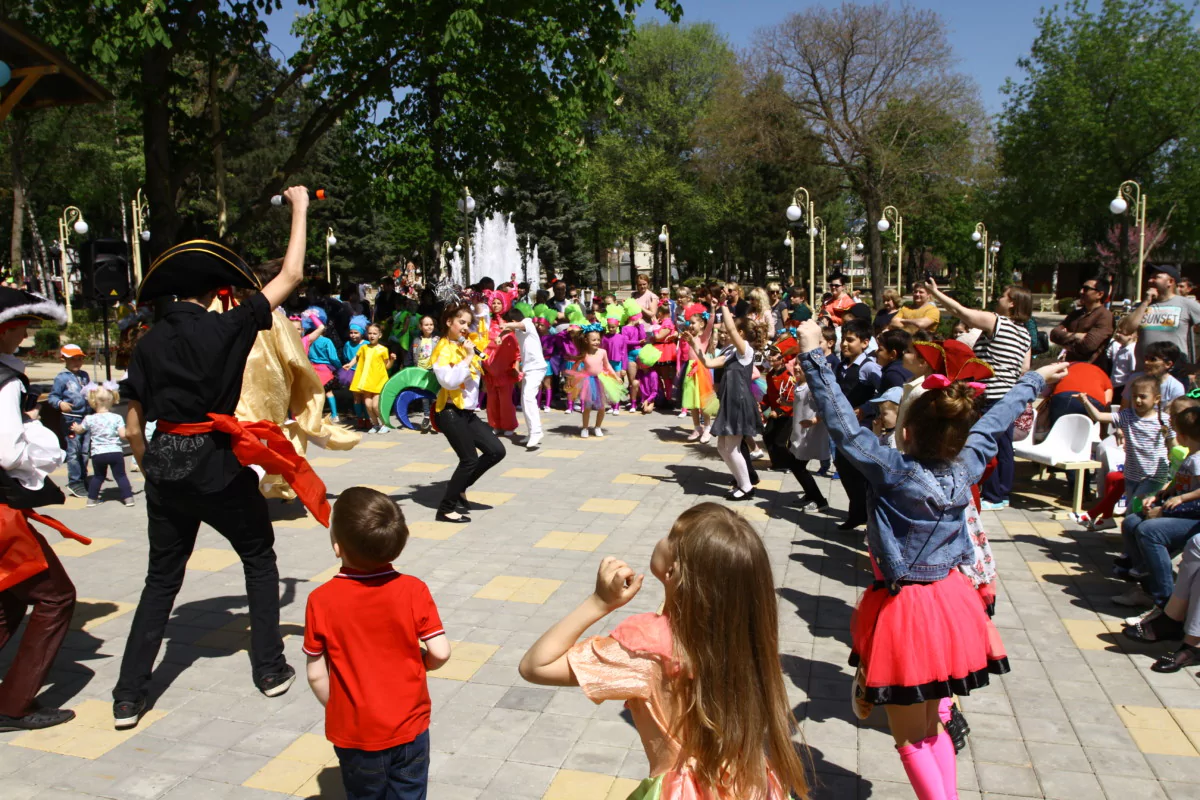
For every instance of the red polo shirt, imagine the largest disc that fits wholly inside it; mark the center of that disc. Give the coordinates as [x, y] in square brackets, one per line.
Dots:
[369, 627]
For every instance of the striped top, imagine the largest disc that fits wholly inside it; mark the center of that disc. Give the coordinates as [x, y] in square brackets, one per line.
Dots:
[1146, 455]
[1004, 350]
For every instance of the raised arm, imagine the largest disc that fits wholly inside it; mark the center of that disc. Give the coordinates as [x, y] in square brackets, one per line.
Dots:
[975, 318]
[289, 277]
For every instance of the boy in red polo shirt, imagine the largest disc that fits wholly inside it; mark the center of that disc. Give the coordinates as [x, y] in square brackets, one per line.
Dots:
[362, 634]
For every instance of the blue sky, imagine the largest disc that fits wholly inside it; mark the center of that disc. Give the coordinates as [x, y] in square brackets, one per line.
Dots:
[987, 37]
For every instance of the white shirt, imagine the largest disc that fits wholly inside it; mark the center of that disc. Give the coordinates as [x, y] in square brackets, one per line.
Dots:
[28, 450]
[1124, 361]
[531, 347]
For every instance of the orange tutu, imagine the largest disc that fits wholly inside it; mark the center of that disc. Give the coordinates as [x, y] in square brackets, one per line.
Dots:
[931, 640]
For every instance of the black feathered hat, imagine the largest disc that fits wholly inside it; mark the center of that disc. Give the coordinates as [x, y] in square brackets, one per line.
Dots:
[18, 306]
[192, 268]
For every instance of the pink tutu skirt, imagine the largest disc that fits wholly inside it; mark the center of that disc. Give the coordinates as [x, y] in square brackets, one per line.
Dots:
[931, 640]
[324, 373]
[594, 392]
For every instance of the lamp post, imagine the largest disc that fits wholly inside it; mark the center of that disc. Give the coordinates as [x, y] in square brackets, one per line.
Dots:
[824, 255]
[141, 210]
[789, 241]
[850, 245]
[708, 264]
[884, 223]
[444, 257]
[664, 236]
[803, 209]
[466, 204]
[71, 219]
[330, 241]
[980, 237]
[994, 249]
[1132, 190]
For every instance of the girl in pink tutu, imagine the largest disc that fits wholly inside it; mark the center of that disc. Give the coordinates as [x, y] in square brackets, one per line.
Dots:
[593, 382]
[712, 711]
[920, 633]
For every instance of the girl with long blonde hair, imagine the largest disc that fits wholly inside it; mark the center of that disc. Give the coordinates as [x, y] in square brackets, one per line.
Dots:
[702, 680]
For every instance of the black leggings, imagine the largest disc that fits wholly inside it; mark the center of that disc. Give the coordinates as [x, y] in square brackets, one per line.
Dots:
[812, 492]
[466, 434]
[101, 463]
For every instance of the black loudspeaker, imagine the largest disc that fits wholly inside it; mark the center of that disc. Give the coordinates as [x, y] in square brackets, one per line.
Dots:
[104, 268]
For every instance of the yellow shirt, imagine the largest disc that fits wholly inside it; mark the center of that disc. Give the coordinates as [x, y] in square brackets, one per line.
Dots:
[371, 369]
[927, 311]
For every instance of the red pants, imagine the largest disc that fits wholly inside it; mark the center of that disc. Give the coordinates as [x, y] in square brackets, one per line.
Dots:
[501, 413]
[1114, 487]
[52, 596]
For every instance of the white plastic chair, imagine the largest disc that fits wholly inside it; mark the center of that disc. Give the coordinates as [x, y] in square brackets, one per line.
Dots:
[1067, 446]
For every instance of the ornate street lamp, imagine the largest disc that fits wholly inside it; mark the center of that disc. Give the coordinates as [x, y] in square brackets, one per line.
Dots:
[466, 204]
[141, 210]
[330, 241]
[885, 222]
[664, 236]
[1132, 190]
[71, 219]
[980, 237]
[802, 208]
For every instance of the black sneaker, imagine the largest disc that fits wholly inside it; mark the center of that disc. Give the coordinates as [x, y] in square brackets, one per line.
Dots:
[77, 489]
[36, 720]
[126, 713]
[277, 683]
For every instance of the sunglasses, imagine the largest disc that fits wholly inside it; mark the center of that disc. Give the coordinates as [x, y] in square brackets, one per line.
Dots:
[1089, 288]
[835, 286]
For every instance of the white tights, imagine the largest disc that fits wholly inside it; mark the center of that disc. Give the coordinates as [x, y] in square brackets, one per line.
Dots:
[728, 447]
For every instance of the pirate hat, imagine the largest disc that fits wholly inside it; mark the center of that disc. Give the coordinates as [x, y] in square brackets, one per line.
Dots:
[19, 307]
[192, 268]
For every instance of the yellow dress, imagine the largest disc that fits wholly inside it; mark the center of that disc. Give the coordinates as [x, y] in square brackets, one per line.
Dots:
[279, 381]
[370, 372]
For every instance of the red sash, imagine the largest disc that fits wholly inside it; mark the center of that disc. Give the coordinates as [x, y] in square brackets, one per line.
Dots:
[21, 555]
[263, 444]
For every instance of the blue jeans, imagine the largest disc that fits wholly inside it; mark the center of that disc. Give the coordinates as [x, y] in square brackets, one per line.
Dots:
[398, 773]
[1151, 543]
[78, 445]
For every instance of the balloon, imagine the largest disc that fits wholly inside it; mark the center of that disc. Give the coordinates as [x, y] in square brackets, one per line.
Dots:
[5, 74]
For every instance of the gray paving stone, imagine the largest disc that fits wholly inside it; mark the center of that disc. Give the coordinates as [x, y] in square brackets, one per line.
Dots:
[520, 780]
[1007, 779]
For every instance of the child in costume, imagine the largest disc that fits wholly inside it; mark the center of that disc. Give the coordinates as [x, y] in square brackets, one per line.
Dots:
[617, 346]
[594, 384]
[371, 373]
[422, 358]
[920, 633]
[570, 362]
[664, 339]
[552, 353]
[699, 398]
[105, 432]
[533, 369]
[357, 341]
[636, 333]
[324, 358]
[713, 716]
[501, 375]
[405, 326]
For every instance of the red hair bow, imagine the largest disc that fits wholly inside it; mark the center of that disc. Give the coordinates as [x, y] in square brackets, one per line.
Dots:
[939, 381]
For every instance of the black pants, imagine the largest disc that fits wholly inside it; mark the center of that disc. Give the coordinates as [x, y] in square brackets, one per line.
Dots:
[812, 492]
[745, 449]
[239, 513]
[467, 433]
[100, 466]
[999, 484]
[856, 488]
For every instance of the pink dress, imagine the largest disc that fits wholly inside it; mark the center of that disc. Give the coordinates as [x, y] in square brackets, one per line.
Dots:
[633, 664]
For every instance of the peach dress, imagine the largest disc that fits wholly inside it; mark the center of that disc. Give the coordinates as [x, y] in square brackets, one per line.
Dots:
[633, 664]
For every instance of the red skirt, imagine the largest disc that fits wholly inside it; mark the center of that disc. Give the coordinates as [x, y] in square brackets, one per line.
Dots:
[931, 640]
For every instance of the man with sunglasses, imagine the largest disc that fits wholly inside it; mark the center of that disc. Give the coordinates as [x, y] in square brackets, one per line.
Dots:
[839, 302]
[1084, 334]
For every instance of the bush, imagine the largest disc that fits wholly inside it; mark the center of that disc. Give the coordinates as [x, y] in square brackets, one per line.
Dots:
[1066, 305]
[46, 340]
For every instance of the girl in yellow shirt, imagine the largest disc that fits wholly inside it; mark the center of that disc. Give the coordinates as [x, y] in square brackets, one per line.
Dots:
[371, 373]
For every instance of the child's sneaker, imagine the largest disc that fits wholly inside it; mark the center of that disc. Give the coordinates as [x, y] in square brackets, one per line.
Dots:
[706, 436]
[1134, 598]
[583, 433]
[1082, 518]
[384, 429]
[128, 501]
[757, 455]
[335, 419]
[92, 503]
[598, 431]
[987, 506]
[616, 410]
[374, 429]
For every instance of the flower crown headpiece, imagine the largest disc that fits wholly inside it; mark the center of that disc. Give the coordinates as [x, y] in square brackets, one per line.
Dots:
[592, 327]
[92, 386]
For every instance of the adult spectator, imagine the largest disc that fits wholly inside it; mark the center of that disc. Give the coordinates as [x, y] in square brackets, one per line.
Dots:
[1163, 315]
[558, 300]
[1005, 345]
[839, 302]
[1084, 334]
[921, 315]
[798, 310]
[758, 310]
[890, 305]
[1082, 378]
[778, 303]
[1185, 287]
[645, 298]
[734, 300]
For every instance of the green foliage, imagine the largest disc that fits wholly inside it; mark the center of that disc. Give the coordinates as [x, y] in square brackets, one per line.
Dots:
[46, 340]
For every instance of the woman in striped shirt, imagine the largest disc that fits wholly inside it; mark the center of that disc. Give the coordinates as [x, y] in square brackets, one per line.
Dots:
[1005, 345]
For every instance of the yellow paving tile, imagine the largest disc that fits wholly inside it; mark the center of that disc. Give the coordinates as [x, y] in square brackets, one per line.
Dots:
[622, 788]
[770, 484]
[521, 472]
[560, 454]
[489, 498]
[69, 548]
[422, 466]
[375, 444]
[754, 513]
[211, 559]
[599, 505]
[327, 784]
[1015, 527]
[636, 480]
[1048, 528]
[90, 735]
[1163, 743]
[571, 784]
[465, 660]
[310, 748]
[302, 523]
[327, 575]
[613, 423]
[1147, 717]
[328, 461]
[518, 590]
[90, 612]
[1187, 718]
[61, 472]
[662, 458]
[429, 529]
[283, 776]
[1041, 569]
[563, 540]
[73, 503]
[1087, 633]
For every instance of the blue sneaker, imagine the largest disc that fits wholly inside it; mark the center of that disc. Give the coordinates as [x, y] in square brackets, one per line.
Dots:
[986, 506]
[834, 476]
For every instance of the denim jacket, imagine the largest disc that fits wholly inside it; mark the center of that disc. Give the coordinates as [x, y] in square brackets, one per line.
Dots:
[68, 387]
[916, 525]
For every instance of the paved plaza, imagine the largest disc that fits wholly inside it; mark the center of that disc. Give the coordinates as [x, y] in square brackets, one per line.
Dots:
[1080, 716]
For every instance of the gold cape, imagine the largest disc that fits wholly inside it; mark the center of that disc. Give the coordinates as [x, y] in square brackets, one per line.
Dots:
[280, 379]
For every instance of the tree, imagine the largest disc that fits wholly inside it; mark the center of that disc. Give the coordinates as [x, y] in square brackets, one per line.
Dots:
[877, 85]
[1107, 95]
